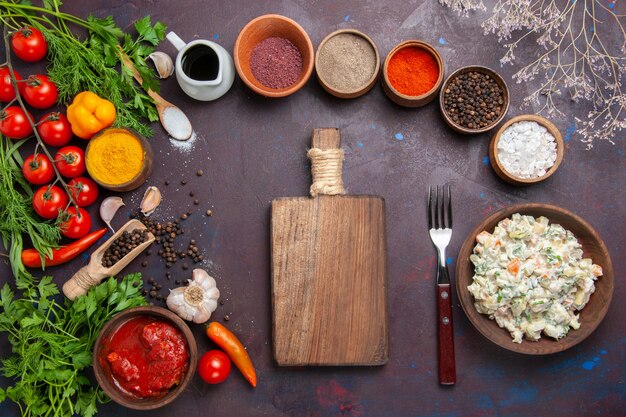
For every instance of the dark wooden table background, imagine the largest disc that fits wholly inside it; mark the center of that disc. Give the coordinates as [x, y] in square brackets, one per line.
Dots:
[252, 150]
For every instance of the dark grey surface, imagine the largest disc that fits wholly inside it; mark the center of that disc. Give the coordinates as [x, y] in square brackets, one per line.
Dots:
[252, 150]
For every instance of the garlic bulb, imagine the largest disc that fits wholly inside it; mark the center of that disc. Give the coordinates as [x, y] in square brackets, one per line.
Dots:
[196, 301]
[163, 64]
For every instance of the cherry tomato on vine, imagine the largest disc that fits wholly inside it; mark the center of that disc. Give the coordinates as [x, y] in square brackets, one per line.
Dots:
[7, 92]
[70, 161]
[49, 200]
[74, 223]
[38, 169]
[55, 129]
[214, 367]
[83, 190]
[14, 123]
[29, 44]
[40, 92]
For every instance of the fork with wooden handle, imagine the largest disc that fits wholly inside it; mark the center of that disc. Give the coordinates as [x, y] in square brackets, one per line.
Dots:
[440, 231]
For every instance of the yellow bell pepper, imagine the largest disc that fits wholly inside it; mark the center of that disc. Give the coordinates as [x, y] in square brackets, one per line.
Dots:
[88, 114]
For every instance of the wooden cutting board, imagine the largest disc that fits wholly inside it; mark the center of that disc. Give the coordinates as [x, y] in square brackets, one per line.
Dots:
[329, 277]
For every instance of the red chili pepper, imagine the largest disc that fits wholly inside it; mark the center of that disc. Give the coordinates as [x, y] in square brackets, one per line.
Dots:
[235, 350]
[32, 259]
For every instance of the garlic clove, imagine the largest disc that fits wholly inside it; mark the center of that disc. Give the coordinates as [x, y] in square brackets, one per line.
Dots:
[163, 64]
[151, 200]
[202, 315]
[176, 302]
[108, 208]
[202, 278]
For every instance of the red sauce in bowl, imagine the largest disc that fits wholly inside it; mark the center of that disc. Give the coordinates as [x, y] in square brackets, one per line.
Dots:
[146, 356]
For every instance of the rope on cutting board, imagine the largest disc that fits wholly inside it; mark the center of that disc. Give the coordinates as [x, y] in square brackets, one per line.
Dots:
[326, 165]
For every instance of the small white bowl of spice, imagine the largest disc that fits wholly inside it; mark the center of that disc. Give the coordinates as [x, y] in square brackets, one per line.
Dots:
[526, 149]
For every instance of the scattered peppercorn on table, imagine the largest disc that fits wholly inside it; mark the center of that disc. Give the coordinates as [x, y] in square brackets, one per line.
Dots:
[216, 189]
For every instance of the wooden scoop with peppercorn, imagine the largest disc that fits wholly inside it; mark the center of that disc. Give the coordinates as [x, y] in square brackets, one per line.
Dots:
[110, 258]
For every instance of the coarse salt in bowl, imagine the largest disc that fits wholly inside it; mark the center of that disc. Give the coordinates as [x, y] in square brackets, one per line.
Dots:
[526, 149]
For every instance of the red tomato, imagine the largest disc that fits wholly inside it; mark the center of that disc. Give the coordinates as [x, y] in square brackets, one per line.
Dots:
[84, 191]
[38, 169]
[48, 201]
[70, 161]
[14, 123]
[214, 367]
[7, 92]
[40, 92]
[75, 223]
[55, 129]
[29, 44]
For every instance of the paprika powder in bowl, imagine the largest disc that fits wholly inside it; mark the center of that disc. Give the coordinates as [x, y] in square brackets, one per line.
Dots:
[119, 159]
[273, 55]
[412, 73]
[145, 357]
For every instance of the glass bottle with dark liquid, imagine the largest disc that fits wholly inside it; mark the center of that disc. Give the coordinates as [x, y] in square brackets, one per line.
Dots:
[201, 63]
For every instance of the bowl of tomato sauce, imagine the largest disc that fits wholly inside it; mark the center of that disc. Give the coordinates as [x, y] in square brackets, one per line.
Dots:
[145, 357]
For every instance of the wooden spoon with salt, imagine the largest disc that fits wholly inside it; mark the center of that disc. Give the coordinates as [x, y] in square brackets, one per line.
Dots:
[94, 272]
[173, 120]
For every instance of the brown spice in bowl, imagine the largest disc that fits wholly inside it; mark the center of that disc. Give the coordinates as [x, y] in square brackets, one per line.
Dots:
[346, 62]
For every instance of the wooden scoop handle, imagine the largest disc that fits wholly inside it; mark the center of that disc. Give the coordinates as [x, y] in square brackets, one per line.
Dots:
[80, 283]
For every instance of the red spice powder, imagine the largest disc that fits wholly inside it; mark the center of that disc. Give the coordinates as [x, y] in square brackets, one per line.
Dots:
[276, 62]
[412, 71]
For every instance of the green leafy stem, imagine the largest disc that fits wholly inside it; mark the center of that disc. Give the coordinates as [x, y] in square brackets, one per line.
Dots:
[52, 344]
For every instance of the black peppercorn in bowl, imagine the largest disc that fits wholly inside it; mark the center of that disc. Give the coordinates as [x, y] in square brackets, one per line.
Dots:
[474, 100]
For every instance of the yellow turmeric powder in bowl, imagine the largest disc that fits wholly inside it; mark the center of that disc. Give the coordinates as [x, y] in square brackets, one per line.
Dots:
[119, 159]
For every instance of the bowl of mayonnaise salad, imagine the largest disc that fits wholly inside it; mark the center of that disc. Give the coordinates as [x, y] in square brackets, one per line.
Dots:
[534, 278]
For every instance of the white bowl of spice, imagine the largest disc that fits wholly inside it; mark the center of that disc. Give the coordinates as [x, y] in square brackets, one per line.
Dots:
[347, 63]
[527, 149]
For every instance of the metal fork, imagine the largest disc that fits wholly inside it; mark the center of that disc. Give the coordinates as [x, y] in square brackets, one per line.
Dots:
[440, 230]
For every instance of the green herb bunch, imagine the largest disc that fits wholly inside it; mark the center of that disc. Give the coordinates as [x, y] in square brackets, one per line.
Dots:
[17, 217]
[52, 343]
[93, 63]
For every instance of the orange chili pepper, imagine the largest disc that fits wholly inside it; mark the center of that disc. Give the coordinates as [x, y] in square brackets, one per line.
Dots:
[234, 349]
